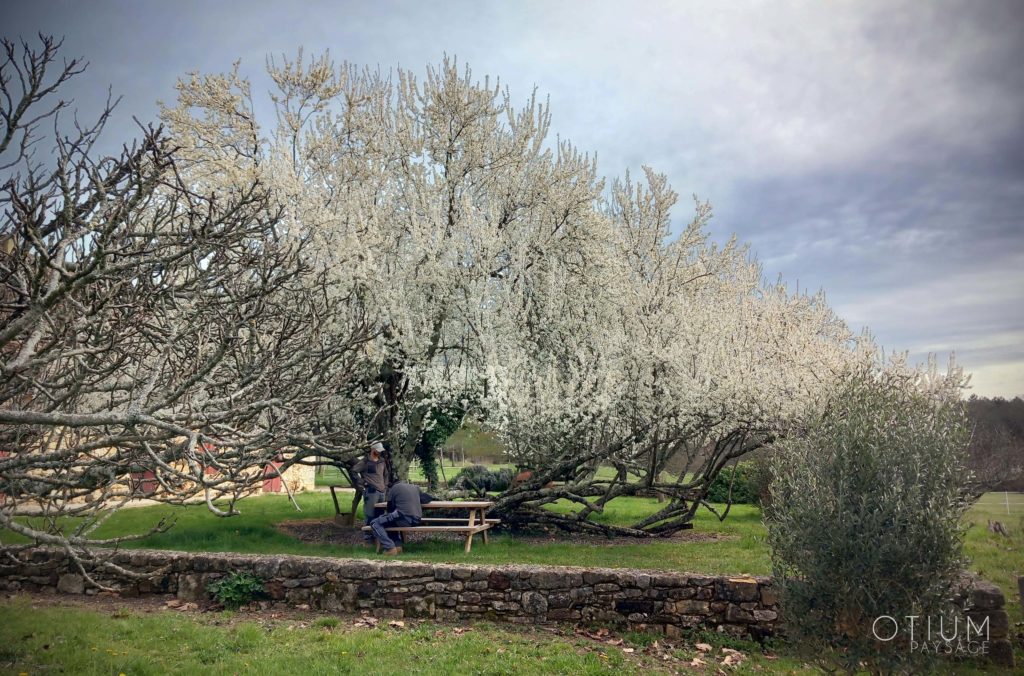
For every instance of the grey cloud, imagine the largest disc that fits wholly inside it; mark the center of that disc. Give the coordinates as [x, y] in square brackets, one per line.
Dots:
[870, 148]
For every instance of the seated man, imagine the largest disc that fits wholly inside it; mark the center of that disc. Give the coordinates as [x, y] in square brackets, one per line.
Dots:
[404, 509]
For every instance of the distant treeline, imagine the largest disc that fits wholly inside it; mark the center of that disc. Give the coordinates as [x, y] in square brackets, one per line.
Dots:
[997, 442]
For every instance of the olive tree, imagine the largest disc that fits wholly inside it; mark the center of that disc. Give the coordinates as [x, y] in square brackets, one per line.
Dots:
[864, 520]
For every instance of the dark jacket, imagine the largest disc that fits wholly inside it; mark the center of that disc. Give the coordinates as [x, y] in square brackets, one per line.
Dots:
[373, 473]
[407, 499]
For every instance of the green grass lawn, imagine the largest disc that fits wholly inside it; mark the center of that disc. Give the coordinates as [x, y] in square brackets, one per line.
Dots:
[738, 544]
[995, 557]
[79, 641]
[738, 547]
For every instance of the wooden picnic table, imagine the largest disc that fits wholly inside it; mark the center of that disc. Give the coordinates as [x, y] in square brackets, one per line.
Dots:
[475, 522]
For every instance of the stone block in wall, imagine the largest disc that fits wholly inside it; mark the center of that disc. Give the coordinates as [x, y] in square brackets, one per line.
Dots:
[736, 614]
[338, 601]
[469, 597]
[737, 589]
[505, 606]
[592, 577]
[769, 595]
[681, 593]
[71, 584]
[299, 595]
[206, 563]
[163, 584]
[274, 589]
[998, 622]
[354, 569]
[560, 600]
[192, 586]
[985, 596]
[549, 580]
[366, 589]
[307, 582]
[691, 607]
[630, 606]
[581, 595]
[1001, 652]
[498, 580]
[407, 570]
[534, 603]
[266, 567]
[419, 606]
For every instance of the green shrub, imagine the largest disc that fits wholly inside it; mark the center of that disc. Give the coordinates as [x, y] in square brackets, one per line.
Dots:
[864, 519]
[236, 589]
[746, 478]
[480, 480]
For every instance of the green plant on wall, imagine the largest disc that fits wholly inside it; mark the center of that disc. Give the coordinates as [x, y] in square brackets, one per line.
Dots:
[236, 589]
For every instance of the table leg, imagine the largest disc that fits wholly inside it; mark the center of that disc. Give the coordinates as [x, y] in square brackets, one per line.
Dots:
[469, 542]
[483, 522]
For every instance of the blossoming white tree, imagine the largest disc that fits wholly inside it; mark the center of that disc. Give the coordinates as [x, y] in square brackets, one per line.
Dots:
[504, 278]
[437, 202]
[215, 297]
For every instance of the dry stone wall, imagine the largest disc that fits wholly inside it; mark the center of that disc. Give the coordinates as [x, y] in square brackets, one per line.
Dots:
[633, 599]
[668, 602]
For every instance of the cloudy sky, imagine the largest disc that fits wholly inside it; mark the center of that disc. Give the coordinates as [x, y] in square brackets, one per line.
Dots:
[871, 149]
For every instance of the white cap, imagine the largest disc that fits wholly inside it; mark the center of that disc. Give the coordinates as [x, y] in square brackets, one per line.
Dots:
[377, 446]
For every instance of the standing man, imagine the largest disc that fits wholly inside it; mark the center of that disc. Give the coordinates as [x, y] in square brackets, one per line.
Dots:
[404, 509]
[371, 472]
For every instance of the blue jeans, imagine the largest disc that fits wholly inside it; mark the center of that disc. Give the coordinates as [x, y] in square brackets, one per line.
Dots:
[370, 498]
[394, 518]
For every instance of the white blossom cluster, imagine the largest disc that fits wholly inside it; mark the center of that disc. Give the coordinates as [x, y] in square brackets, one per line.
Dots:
[506, 277]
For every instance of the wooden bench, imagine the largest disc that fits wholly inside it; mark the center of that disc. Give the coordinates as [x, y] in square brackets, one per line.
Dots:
[475, 523]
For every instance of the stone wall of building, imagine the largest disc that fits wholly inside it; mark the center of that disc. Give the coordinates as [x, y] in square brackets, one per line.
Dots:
[631, 599]
[300, 478]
